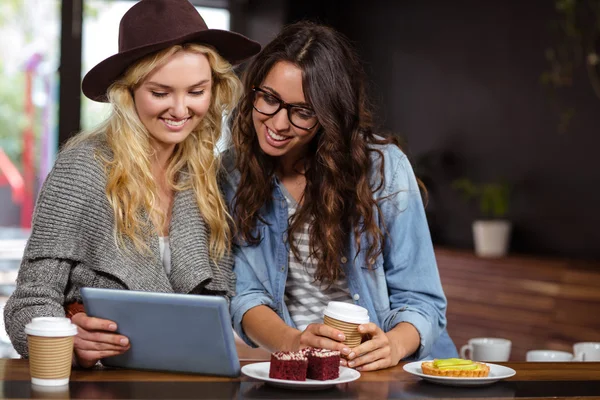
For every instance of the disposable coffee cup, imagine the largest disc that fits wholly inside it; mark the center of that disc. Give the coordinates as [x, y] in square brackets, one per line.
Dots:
[50, 392]
[50, 341]
[346, 317]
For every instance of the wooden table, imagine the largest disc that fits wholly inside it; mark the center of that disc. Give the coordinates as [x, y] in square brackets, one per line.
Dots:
[536, 302]
[533, 380]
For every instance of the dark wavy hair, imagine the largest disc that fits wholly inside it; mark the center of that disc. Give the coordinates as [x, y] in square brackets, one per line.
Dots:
[338, 198]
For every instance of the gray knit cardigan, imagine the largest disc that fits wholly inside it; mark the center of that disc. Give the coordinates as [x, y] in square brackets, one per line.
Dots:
[72, 245]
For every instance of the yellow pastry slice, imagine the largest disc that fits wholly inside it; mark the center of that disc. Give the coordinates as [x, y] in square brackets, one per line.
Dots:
[455, 367]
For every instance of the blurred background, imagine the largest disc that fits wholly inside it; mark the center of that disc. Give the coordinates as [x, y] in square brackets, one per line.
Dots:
[496, 103]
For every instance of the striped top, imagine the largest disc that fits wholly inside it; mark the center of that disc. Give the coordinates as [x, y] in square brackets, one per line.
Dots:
[306, 299]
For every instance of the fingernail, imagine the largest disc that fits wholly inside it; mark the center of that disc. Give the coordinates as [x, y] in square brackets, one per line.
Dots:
[351, 355]
[345, 350]
[112, 327]
[124, 342]
[351, 364]
[341, 336]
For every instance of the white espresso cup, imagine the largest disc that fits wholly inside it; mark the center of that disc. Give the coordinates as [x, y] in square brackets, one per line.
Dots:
[548, 356]
[486, 349]
[586, 351]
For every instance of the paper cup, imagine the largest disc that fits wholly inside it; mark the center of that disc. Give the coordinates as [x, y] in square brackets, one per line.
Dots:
[50, 392]
[50, 342]
[346, 317]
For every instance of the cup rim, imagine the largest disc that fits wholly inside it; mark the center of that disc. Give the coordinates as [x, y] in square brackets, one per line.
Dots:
[335, 310]
[51, 327]
[489, 340]
[596, 345]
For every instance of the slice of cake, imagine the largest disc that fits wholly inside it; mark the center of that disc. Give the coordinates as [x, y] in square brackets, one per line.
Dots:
[323, 364]
[455, 367]
[290, 365]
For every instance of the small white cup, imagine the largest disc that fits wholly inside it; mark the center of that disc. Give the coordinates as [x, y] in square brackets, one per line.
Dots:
[548, 356]
[586, 351]
[487, 349]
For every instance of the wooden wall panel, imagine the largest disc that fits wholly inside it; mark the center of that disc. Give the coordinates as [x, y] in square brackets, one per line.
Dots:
[537, 303]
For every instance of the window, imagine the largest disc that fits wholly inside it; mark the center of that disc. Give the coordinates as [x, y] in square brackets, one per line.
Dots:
[29, 43]
[30, 47]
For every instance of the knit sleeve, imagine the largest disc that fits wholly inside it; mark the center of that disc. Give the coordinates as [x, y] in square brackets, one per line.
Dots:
[72, 210]
[69, 213]
[41, 285]
[225, 275]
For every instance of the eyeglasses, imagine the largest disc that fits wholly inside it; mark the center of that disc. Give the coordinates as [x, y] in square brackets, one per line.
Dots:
[268, 104]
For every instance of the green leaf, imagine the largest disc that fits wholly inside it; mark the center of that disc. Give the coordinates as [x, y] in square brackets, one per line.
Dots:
[493, 198]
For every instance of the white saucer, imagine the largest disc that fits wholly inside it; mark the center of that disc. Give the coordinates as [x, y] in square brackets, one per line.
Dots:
[497, 372]
[261, 371]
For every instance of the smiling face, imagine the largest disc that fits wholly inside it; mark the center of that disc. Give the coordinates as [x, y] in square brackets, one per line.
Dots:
[174, 98]
[276, 135]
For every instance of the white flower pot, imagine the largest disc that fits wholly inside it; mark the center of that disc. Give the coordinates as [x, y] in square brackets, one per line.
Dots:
[491, 237]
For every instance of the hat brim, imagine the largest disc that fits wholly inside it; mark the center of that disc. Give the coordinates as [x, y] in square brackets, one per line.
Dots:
[232, 46]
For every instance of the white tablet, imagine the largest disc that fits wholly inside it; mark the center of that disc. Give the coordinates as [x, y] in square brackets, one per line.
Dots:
[167, 331]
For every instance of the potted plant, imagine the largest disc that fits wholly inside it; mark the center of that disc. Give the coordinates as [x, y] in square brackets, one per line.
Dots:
[491, 232]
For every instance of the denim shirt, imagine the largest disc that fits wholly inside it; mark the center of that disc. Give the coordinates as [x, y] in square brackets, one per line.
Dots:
[402, 284]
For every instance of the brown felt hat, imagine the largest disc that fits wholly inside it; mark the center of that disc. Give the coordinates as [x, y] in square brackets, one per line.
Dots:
[153, 25]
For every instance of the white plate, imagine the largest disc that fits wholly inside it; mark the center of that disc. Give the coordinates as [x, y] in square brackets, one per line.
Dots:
[497, 372]
[261, 371]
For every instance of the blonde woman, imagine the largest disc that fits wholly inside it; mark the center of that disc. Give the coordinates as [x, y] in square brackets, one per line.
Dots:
[135, 204]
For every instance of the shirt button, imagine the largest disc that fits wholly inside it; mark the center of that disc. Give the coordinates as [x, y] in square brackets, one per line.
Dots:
[282, 267]
[372, 261]
[356, 297]
[344, 260]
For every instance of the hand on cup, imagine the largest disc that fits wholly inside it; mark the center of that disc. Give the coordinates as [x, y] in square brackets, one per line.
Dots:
[487, 349]
[96, 339]
[321, 336]
[586, 351]
[380, 349]
[346, 318]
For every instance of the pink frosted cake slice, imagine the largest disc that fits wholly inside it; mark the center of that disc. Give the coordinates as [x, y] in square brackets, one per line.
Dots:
[290, 365]
[323, 364]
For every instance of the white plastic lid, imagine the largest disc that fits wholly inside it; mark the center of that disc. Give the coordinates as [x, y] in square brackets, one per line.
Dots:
[51, 327]
[347, 312]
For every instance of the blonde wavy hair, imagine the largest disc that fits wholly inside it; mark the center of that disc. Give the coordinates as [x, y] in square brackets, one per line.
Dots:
[131, 188]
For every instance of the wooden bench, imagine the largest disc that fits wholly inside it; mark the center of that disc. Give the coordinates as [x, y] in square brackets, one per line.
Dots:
[537, 303]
